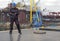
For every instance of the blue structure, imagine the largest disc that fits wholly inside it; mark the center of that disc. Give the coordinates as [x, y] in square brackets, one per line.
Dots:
[37, 19]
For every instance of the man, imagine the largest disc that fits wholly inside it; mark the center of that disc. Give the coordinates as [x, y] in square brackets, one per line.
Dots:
[14, 12]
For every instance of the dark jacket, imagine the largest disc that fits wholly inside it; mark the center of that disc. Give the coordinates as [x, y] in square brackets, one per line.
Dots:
[14, 12]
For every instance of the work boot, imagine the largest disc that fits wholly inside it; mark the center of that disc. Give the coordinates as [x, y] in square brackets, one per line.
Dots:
[10, 32]
[20, 33]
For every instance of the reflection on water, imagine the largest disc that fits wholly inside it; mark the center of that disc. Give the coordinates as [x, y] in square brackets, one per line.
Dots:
[11, 38]
[18, 38]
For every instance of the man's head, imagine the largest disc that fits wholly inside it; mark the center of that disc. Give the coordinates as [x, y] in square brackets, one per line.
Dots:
[13, 5]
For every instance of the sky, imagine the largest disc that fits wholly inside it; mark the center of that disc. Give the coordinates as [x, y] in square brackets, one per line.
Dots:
[52, 5]
[4, 3]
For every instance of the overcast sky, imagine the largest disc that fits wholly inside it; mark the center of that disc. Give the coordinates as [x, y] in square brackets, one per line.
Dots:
[52, 5]
[49, 4]
[4, 3]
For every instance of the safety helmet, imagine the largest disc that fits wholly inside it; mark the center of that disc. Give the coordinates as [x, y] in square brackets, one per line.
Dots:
[13, 4]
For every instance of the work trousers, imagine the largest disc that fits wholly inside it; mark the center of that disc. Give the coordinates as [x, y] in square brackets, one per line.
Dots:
[12, 20]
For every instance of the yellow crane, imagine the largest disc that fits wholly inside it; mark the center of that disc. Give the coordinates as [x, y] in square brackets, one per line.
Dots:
[31, 11]
[32, 3]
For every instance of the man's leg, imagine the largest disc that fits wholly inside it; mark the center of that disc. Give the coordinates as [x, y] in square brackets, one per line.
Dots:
[11, 25]
[18, 26]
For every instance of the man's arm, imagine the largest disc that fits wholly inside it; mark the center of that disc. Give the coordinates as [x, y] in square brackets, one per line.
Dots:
[17, 12]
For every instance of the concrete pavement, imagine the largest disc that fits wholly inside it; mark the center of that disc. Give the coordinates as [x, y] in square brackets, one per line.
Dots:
[51, 28]
[28, 35]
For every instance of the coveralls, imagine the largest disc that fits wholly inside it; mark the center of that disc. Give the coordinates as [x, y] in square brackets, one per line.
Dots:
[14, 12]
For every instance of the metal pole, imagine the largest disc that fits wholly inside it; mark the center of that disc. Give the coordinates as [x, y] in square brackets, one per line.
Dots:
[35, 8]
[30, 11]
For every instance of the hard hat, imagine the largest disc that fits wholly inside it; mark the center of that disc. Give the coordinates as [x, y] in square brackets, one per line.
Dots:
[14, 4]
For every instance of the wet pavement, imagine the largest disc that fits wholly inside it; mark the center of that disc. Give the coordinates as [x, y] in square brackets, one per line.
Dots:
[28, 35]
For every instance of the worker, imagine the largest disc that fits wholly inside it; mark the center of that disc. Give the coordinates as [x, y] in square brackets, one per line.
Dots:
[14, 12]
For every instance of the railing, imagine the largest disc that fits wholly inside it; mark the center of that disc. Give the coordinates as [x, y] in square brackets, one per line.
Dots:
[53, 18]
